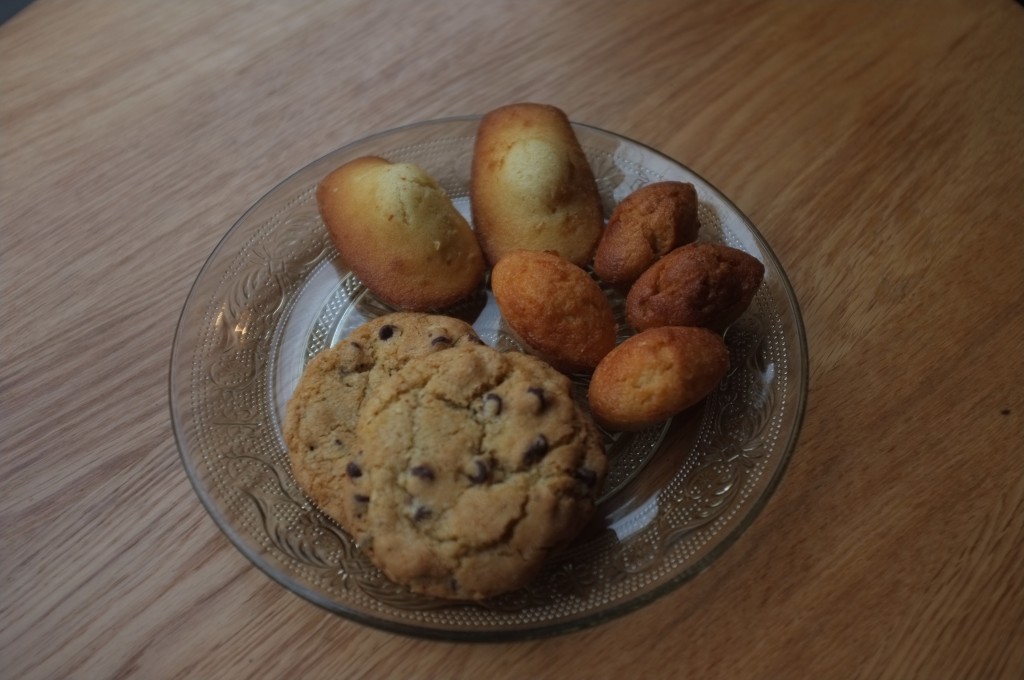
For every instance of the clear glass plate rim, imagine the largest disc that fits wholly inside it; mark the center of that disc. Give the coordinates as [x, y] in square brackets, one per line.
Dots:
[534, 630]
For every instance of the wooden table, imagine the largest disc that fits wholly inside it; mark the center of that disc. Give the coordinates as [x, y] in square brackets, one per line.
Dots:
[879, 147]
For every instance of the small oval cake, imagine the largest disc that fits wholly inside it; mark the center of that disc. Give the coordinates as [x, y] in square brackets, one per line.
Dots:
[555, 308]
[531, 185]
[700, 284]
[655, 375]
[648, 224]
[398, 231]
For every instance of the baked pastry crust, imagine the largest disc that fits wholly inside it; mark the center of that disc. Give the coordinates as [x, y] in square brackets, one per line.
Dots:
[700, 284]
[532, 187]
[646, 225]
[655, 375]
[555, 308]
[398, 231]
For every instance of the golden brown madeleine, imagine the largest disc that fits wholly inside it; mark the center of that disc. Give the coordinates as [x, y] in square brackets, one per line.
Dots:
[555, 308]
[398, 231]
[700, 284]
[531, 187]
[656, 374]
[649, 223]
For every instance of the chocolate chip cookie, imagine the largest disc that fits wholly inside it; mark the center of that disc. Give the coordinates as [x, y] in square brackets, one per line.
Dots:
[321, 416]
[478, 464]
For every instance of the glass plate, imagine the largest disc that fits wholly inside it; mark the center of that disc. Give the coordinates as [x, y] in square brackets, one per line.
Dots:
[273, 293]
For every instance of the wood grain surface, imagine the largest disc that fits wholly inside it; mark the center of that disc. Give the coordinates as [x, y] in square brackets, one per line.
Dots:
[879, 147]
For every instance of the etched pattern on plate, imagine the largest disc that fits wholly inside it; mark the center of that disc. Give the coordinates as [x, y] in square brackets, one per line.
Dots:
[654, 531]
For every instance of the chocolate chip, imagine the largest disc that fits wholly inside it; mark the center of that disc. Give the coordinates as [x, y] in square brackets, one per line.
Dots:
[482, 472]
[422, 512]
[353, 470]
[337, 442]
[423, 472]
[356, 345]
[538, 449]
[492, 404]
[441, 340]
[586, 475]
[361, 498]
[542, 401]
[386, 332]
